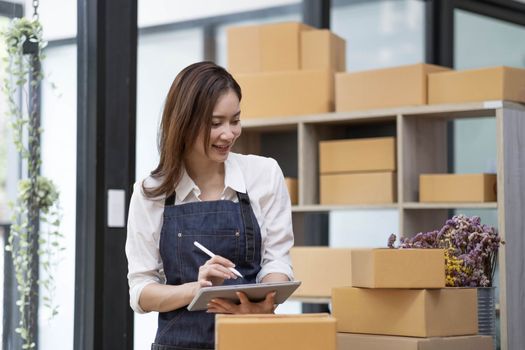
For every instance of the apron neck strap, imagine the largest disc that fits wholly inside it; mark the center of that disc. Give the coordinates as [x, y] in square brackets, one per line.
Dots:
[249, 230]
[170, 200]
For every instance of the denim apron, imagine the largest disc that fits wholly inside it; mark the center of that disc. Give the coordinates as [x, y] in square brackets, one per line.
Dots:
[226, 228]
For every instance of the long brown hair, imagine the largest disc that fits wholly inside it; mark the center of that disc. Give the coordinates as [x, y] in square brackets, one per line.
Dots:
[187, 112]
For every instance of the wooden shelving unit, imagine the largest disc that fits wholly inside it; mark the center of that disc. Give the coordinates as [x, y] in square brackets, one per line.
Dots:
[421, 134]
[327, 208]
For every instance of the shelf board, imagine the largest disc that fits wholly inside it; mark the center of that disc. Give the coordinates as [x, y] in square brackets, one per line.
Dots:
[311, 300]
[445, 111]
[417, 205]
[327, 208]
[329, 118]
[408, 205]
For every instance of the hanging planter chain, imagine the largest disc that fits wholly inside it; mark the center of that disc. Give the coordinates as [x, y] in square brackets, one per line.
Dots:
[33, 205]
[35, 10]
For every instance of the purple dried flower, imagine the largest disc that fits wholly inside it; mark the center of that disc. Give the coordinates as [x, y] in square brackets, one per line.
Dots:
[471, 248]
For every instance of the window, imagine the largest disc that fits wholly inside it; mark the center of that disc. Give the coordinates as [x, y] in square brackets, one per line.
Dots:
[380, 33]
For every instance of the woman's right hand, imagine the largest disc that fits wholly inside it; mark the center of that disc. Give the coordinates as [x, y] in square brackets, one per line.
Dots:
[216, 271]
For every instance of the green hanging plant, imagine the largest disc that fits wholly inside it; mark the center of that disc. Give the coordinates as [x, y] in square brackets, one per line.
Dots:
[36, 211]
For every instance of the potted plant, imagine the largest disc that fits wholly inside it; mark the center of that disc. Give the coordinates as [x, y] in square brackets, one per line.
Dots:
[35, 238]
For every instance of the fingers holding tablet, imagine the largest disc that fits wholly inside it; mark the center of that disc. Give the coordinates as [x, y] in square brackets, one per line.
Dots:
[225, 306]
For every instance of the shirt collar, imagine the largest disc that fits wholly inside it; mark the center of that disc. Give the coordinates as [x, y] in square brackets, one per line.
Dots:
[233, 178]
[185, 186]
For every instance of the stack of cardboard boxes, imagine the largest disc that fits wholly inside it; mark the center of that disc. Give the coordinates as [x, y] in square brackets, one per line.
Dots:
[358, 171]
[392, 299]
[285, 69]
[397, 300]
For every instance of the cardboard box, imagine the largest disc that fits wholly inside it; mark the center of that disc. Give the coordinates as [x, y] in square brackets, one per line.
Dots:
[409, 312]
[265, 48]
[280, 94]
[244, 49]
[495, 83]
[383, 88]
[348, 341]
[357, 155]
[322, 49]
[276, 332]
[320, 269]
[291, 184]
[398, 268]
[457, 188]
[358, 188]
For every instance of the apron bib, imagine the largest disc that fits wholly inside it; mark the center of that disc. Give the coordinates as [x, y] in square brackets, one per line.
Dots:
[226, 228]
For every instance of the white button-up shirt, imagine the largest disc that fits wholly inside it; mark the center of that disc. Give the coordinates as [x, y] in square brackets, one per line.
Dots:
[260, 177]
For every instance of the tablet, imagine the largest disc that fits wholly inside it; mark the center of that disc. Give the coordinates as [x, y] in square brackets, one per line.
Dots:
[255, 292]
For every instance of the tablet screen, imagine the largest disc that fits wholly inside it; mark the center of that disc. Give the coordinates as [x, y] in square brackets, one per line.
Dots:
[255, 292]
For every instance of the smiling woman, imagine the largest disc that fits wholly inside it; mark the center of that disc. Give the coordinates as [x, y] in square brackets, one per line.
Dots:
[235, 205]
[224, 131]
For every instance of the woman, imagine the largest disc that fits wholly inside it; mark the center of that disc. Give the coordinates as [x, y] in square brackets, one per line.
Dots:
[235, 205]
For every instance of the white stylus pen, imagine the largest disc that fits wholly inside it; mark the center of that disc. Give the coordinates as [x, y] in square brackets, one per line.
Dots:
[211, 255]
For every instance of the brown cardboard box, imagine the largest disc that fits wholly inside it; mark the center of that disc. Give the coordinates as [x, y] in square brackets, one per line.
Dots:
[320, 269]
[276, 332]
[457, 188]
[358, 188]
[409, 312]
[265, 48]
[349, 341]
[398, 268]
[280, 94]
[244, 49]
[383, 88]
[357, 155]
[291, 184]
[322, 49]
[495, 83]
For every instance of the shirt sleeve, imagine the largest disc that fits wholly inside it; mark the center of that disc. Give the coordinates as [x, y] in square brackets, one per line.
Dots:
[142, 245]
[277, 217]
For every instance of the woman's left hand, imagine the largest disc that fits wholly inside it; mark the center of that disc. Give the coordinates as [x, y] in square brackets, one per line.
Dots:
[223, 306]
